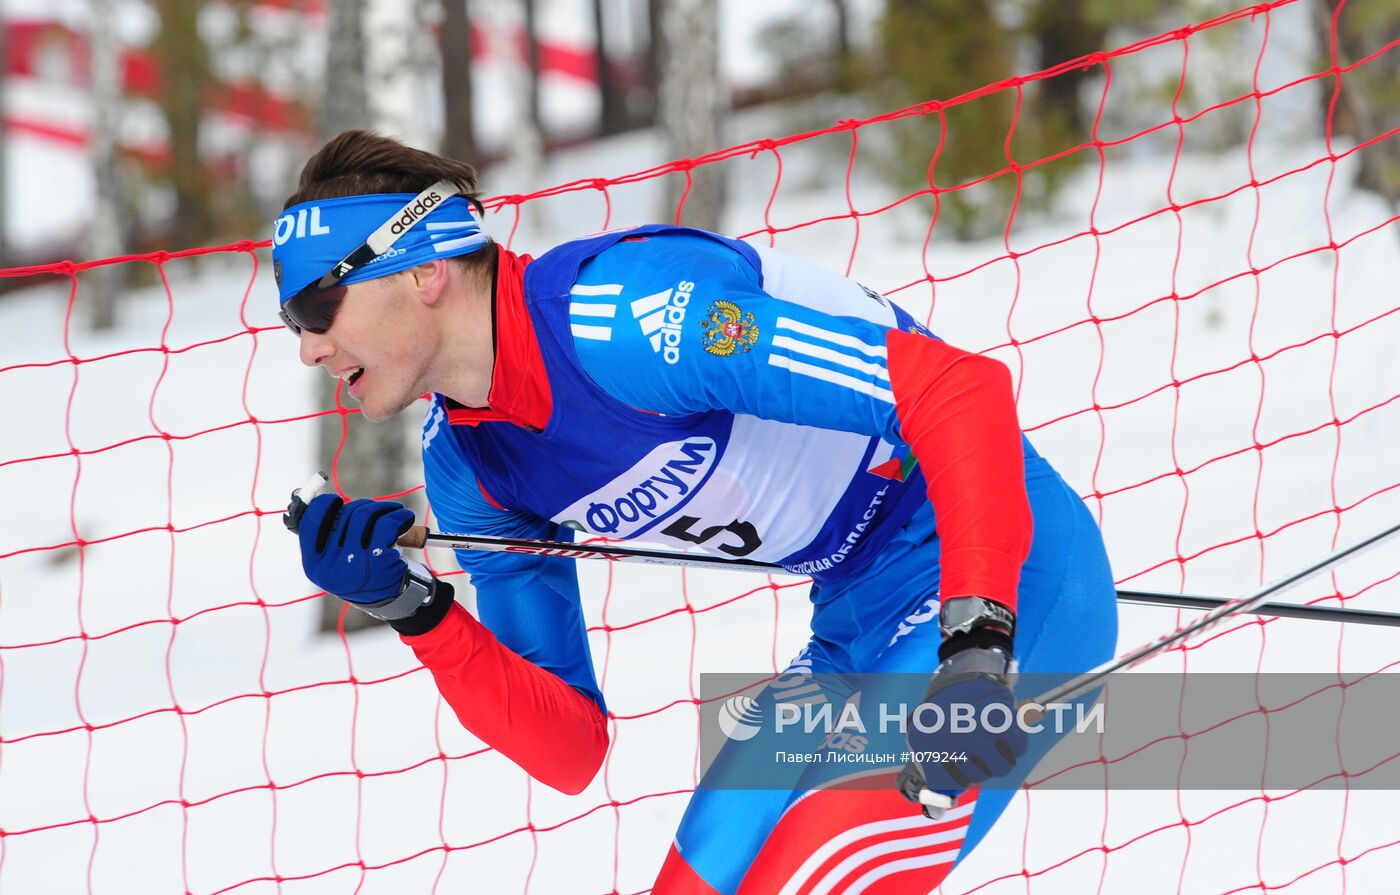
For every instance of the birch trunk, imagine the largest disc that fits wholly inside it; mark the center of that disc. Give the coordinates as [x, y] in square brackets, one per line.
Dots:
[690, 105]
[373, 458]
[102, 285]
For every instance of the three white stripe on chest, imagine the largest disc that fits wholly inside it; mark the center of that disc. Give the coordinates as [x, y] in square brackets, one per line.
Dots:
[590, 319]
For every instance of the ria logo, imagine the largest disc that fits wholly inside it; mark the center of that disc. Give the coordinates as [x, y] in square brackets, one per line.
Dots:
[660, 315]
[739, 717]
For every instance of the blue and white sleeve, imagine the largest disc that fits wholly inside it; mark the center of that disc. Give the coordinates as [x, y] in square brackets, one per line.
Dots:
[692, 328]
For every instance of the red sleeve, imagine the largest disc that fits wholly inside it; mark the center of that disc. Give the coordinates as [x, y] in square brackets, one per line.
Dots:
[958, 414]
[529, 715]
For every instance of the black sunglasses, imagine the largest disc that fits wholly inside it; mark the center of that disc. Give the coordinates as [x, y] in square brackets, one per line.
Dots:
[313, 308]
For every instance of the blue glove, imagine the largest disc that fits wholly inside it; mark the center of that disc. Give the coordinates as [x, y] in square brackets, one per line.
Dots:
[976, 677]
[347, 549]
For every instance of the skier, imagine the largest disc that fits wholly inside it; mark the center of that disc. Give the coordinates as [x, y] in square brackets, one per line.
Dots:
[685, 388]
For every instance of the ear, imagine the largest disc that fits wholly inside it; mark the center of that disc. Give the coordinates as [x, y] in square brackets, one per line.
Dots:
[430, 280]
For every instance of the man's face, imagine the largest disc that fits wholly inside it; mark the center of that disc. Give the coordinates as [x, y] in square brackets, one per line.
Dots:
[377, 344]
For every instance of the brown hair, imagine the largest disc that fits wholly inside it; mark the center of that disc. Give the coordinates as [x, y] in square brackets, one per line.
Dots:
[359, 162]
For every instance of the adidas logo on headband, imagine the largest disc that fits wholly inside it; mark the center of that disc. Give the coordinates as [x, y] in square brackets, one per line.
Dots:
[416, 212]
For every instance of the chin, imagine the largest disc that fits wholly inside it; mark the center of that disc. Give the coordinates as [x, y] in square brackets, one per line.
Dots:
[378, 414]
[378, 411]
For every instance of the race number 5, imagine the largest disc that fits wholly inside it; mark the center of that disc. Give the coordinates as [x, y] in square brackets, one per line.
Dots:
[749, 541]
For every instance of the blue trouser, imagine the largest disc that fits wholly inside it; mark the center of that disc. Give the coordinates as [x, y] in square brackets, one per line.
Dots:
[884, 619]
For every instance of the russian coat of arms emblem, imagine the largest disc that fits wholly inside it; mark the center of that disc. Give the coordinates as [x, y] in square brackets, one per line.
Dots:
[728, 329]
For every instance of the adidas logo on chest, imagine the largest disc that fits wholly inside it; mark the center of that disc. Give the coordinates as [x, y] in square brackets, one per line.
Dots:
[660, 316]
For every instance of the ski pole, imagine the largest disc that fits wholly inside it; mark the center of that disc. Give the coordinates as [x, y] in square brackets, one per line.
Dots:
[420, 537]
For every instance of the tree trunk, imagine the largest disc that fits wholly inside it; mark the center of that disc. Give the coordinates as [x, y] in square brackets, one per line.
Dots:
[184, 67]
[1369, 104]
[102, 285]
[611, 111]
[642, 105]
[691, 101]
[505, 20]
[372, 458]
[1064, 30]
[532, 64]
[459, 135]
[845, 63]
[345, 103]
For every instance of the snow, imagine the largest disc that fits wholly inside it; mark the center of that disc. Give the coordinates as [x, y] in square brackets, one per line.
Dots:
[336, 782]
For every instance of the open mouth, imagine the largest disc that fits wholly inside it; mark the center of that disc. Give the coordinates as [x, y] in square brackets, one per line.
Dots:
[352, 383]
[351, 377]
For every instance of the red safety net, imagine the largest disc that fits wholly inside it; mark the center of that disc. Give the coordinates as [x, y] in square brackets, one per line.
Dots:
[1201, 336]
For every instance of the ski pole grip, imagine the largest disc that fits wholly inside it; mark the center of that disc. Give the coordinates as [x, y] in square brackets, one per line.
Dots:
[416, 537]
[301, 497]
[314, 485]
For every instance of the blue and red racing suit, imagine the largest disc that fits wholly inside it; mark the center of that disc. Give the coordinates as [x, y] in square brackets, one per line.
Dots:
[687, 389]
